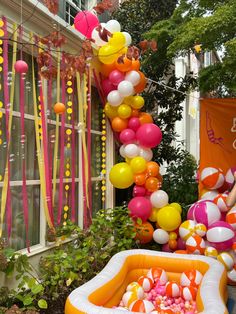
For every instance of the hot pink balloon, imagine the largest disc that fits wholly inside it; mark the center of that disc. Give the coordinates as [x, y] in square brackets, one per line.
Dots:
[21, 66]
[181, 244]
[139, 191]
[85, 22]
[116, 77]
[134, 123]
[127, 136]
[107, 86]
[166, 248]
[140, 207]
[149, 135]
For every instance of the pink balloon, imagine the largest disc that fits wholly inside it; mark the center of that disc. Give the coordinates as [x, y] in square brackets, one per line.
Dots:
[149, 135]
[85, 22]
[140, 207]
[21, 66]
[116, 77]
[134, 123]
[107, 86]
[139, 191]
[181, 244]
[166, 248]
[127, 136]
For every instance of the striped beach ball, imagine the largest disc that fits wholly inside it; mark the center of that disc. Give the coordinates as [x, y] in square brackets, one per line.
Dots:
[229, 177]
[158, 274]
[226, 259]
[173, 289]
[212, 178]
[200, 229]
[142, 306]
[195, 245]
[189, 293]
[132, 286]
[220, 235]
[145, 282]
[210, 251]
[186, 229]
[208, 195]
[191, 277]
[206, 212]
[131, 296]
[231, 217]
[220, 201]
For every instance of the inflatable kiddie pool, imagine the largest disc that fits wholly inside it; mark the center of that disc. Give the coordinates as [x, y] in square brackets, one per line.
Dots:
[104, 291]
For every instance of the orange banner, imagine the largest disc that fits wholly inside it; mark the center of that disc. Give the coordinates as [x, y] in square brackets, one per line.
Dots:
[218, 133]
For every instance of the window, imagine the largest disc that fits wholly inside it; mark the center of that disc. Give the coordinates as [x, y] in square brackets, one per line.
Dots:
[72, 7]
[207, 58]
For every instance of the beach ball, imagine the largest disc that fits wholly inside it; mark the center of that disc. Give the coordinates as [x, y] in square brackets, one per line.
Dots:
[157, 275]
[212, 178]
[85, 22]
[146, 283]
[168, 218]
[192, 209]
[195, 245]
[200, 229]
[191, 278]
[226, 259]
[160, 236]
[189, 293]
[159, 310]
[220, 235]
[229, 177]
[220, 201]
[140, 207]
[173, 289]
[206, 212]
[129, 297]
[187, 229]
[231, 217]
[144, 232]
[210, 251]
[231, 275]
[159, 199]
[208, 195]
[132, 286]
[142, 306]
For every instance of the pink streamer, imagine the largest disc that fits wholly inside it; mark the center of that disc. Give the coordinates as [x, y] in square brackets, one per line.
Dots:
[73, 161]
[6, 102]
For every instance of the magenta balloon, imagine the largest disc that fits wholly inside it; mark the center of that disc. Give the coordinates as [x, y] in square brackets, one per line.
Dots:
[107, 86]
[134, 123]
[127, 136]
[85, 22]
[116, 77]
[149, 135]
[140, 207]
[165, 248]
[181, 245]
[139, 191]
[21, 66]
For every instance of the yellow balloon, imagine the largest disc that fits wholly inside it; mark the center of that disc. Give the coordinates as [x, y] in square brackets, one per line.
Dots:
[138, 102]
[110, 111]
[124, 111]
[128, 100]
[153, 216]
[168, 218]
[107, 54]
[176, 206]
[128, 160]
[138, 165]
[117, 40]
[173, 235]
[121, 176]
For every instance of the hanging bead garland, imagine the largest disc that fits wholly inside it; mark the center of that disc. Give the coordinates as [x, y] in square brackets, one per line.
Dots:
[1, 62]
[104, 132]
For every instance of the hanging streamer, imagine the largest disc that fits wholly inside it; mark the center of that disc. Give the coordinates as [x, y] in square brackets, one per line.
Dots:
[9, 109]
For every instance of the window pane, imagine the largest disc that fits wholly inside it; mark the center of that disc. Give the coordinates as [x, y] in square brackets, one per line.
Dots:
[96, 111]
[96, 197]
[18, 238]
[96, 162]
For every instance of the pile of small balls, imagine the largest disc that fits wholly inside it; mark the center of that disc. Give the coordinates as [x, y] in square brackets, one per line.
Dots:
[154, 294]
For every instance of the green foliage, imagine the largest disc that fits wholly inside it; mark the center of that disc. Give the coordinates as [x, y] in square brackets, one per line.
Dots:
[69, 266]
[180, 180]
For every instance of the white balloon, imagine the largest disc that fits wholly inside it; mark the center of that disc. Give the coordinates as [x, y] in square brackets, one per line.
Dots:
[131, 150]
[159, 199]
[125, 88]
[133, 77]
[146, 153]
[128, 39]
[114, 98]
[113, 26]
[161, 236]
[122, 151]
[95, 36]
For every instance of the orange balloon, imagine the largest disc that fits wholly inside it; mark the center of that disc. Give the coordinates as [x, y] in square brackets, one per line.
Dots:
[142, 83]
[119, 124]
[140, 178]
[152, 184]
[135, 65]
[135, 113]
[173, 244]
[152, 168]
[59, 108]
[107, 68]
[145, 118]
[144, 232]
[159, 177]
[123, 66]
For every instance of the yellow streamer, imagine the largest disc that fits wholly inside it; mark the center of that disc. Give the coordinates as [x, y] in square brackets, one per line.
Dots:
[57, 131]
[12, 93]
[39, 151]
